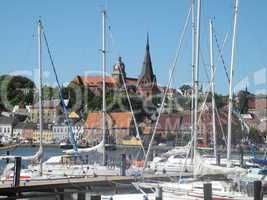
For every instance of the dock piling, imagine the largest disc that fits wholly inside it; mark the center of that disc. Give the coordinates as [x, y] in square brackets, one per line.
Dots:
[207, 189]
[96, 197]
[81, 196]
[257, 190]
[218, 159]
[16, 179]
[241, 157]
[123, 164]
[158, 193]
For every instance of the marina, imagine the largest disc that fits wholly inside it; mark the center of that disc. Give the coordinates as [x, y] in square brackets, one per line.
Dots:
[115, 136]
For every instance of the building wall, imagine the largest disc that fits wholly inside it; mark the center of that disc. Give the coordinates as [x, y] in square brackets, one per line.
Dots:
[49, 115]
[26, 134]
[17, 132]
[6, 130]
[95, 135]
[60, 132]
[47, 136]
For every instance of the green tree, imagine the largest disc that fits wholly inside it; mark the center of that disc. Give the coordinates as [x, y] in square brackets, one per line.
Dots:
[219, 99]
[255, 136]
[16, 90]
[185, 87]
[243, 101]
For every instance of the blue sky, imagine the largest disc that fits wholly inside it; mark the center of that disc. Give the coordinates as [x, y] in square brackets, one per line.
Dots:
[73, 29]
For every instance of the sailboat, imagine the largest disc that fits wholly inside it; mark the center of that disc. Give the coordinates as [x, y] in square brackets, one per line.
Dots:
[74, 162]
[192, 188]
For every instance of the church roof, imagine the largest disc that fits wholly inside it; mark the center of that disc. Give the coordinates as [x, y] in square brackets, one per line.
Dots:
[95, 81]
[147, 70]
[120, 120]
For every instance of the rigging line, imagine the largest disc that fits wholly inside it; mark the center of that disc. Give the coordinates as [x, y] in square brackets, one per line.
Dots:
[220, 123]
[220, 54]
[204, 64]
[113, 42]
[177, 56]
[132, 112]
[65, 111]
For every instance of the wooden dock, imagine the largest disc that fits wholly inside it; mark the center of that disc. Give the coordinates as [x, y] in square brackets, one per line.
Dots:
[75, 185]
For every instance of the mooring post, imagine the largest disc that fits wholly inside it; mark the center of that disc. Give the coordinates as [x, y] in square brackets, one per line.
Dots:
[81, 196]
[218, 159]
[241, 156]
[207, 189]
[158, 193]
[123, 164]
[96, 197]
[257, 190]
[7, 153]
[16, 179]
[59, 193]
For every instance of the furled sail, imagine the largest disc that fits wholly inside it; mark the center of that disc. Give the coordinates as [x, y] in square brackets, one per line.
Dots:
[201, 168]
[32, 158]
[98, 148]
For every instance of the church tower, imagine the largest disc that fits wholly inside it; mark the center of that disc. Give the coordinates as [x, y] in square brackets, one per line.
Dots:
[147, 83]
[119, 72]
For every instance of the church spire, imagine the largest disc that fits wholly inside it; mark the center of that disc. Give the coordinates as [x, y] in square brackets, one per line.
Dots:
[147, 42]
[147, 84]
[147, 70]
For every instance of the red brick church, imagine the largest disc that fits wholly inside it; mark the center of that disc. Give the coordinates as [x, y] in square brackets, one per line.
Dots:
[145, 84]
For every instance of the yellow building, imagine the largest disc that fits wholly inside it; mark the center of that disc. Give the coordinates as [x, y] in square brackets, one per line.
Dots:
[47, 136]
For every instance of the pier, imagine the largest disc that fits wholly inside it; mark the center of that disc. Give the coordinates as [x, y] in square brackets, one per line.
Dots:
[79, 186]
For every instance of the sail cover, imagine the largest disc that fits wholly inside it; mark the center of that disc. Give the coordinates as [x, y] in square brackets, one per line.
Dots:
[259, 161]
[201, 168]
[32, 158]
[98, 148]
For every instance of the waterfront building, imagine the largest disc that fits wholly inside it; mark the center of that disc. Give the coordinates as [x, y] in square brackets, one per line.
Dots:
[120, 126]
[6, 128]
[47, 134]
[51, 111]
[24, 130]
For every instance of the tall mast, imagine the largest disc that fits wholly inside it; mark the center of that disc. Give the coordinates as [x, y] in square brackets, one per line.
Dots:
[40, 29]
[212, 87]
[230, 107]
[104, 85]
[193, 68]
[197, 47]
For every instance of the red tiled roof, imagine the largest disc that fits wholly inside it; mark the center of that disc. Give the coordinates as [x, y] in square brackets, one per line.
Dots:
[97, 80]
[170, 90]
[94, 120]
[120, 120]
[131, 81]
[94, 81]
[251, 104]
[169, 122]
[261, 103]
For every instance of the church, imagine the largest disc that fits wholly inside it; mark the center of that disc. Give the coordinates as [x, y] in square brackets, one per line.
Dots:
[145, 84]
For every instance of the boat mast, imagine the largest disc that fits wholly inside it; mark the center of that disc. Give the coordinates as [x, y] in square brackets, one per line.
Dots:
[197, 47]
[230, 107]
[104, 85]
[40, 29]
[212, 87]
[193, 69]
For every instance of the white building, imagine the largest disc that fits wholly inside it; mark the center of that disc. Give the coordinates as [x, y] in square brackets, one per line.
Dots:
[6, 131]
[60, 132]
